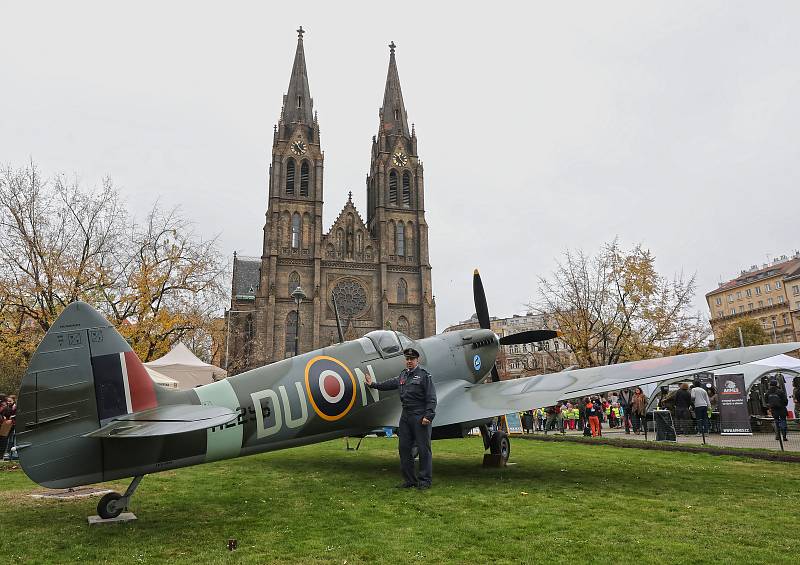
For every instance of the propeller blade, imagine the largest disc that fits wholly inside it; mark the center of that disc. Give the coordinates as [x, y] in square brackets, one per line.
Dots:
[338, 321]
[532, 336]
[481, 309]
[495, 374]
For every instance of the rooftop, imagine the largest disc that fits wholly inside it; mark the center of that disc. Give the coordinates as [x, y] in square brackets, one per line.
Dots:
[782, 266]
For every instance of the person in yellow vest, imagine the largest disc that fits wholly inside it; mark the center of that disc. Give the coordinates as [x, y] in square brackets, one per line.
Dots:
[615, 415]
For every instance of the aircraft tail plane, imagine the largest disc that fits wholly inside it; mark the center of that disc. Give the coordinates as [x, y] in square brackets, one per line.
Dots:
[83, 383]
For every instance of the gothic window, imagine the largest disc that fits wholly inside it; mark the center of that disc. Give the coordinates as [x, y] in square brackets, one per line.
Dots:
[402, 291]
[393, 188]
[340, 241]
[297, 227]
[294, 281]
[402, 325]
[304, 179]
[390, 229]
[410, 239]
[308, 231]
[291, 330]
[290, 176]
[351, 297]
[397, 114]
[406, 189]
[299, 101]
[360, 241]
[400, 239]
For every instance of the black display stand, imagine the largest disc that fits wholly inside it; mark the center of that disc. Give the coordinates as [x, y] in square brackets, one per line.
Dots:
[665, 428]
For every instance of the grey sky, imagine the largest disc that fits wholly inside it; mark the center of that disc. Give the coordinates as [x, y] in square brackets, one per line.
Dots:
[542, 126]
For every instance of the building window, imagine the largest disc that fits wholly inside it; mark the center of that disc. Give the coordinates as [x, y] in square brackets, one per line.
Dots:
[402, 291]
[400, 239]
[780, 300]
[406, 189]
[291, 330]
[720, 313]
[768, 287]
[786, 319]
[777, 284]
[796, 289]
[769, 301]
[748, 292]
[733, 311]
[297, 225]
[393, 188]
[719, 301]
[741, 309]
[738, 295]
[749, 305]
[290, 177]
[758, 291]
[304, 179]
[294, 282]
[730, 298]
[760, 303]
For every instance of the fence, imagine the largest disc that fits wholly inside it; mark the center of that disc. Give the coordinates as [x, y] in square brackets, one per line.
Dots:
[754, 433]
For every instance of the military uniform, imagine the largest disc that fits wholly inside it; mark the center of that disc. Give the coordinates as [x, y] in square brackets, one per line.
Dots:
[418, 397]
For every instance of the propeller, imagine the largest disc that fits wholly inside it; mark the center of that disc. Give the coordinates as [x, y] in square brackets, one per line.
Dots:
[482, 312]
[531, 336]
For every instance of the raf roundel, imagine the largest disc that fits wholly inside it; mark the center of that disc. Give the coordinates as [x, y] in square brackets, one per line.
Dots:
[331, 387]
[476, 362]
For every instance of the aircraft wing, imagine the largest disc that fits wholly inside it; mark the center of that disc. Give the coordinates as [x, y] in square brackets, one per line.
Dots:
[165, 420]
[463, 401]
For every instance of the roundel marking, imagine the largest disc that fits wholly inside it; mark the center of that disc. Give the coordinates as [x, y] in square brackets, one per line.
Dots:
[331, 387]
[476, 362]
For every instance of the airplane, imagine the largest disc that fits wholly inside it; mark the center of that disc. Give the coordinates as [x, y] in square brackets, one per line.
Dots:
[88, 412]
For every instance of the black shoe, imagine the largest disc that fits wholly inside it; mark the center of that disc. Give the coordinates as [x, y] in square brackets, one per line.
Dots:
[423, 486]
[405, 485]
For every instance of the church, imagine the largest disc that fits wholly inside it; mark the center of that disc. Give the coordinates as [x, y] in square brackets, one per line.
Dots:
[378, 269]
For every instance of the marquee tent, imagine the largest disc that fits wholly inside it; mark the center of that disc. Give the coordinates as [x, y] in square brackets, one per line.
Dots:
[183, 366]
[160, 379]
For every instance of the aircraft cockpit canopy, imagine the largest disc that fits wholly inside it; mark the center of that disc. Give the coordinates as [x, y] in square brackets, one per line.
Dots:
[389, 343]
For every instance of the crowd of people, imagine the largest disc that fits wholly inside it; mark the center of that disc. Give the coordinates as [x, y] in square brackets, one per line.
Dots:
[691, 408]
[624, 409]
[8, 415]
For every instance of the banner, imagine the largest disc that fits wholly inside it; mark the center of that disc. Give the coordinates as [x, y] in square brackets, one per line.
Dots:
[734, 417]
[792, 407]
[513, 424]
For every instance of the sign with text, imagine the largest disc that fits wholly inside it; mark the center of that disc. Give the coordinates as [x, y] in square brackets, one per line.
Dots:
[734, 418]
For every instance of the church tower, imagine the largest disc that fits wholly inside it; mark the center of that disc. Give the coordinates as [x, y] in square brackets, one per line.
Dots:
[293, 227]
[396, 211]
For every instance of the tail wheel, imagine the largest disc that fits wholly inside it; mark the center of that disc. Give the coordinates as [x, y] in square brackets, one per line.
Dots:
[500, 444]
[110, 506]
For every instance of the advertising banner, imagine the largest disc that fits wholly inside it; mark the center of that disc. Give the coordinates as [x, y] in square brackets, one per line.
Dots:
[734, 418]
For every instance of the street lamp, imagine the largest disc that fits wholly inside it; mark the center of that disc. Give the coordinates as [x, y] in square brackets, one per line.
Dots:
[298, 296]
[228, 332]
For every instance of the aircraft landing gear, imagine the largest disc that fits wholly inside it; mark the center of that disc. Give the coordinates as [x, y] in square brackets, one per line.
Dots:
[113, 503]
[498, 444]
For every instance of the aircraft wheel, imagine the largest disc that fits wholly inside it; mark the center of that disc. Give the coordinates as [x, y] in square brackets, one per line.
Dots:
[500, 444]
[109, 506]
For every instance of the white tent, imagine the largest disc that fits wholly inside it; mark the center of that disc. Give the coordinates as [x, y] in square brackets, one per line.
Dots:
[160, 379]
[183, 366]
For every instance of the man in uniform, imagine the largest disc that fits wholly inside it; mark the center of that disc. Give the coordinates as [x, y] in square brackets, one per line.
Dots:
[418, 397]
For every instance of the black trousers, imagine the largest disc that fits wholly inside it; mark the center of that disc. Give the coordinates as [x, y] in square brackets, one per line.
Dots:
[411, 432]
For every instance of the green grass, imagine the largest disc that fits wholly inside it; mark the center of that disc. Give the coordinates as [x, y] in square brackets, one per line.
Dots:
[321, 504]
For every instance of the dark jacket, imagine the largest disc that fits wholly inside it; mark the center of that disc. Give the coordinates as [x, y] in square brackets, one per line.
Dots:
[683, 399]
[777, 401]
[417, 393]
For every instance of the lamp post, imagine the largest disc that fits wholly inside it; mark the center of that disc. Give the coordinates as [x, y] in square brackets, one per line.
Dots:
[298, 296]
[228, 332]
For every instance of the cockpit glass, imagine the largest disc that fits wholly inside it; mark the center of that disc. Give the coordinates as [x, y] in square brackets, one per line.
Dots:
[366, 345]
[387, 342]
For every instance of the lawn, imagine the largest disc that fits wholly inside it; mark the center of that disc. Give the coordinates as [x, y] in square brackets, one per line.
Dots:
[559, 502]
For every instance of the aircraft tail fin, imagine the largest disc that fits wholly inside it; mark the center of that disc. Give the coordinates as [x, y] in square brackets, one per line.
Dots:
[81, 376]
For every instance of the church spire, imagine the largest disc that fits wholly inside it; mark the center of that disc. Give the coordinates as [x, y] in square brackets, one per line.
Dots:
[393, 112]
[298, 104]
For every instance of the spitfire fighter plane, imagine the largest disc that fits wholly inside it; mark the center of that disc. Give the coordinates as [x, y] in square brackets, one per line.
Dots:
[88, 412]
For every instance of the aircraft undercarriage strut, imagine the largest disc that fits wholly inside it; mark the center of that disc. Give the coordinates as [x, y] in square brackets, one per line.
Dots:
[113, 503]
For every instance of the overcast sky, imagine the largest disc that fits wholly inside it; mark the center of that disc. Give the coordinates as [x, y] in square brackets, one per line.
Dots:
[542, 126]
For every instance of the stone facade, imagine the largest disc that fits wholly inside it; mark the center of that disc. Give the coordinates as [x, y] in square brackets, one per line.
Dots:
[769, 293]
[378, 269]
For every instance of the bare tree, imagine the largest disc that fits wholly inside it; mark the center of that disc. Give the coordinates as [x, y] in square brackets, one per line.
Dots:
[615, 307]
